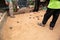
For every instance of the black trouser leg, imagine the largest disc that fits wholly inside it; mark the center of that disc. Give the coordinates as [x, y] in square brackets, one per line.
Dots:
[36, 8]
[55, 17]
[47, 16]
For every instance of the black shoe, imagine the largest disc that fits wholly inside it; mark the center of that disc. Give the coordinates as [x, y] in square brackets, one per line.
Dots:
[40, 24]
[51, 28]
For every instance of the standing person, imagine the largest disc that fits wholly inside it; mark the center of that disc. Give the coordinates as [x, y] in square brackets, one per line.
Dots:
[10, 4]
[52, 10]
[36, 7]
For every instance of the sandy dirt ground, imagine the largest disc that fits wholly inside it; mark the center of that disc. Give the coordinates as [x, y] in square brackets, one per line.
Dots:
[25, 27]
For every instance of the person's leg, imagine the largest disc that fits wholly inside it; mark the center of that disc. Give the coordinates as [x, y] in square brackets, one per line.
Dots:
[11, 9]
[36, 8]
[55, 17]
[46, 16]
